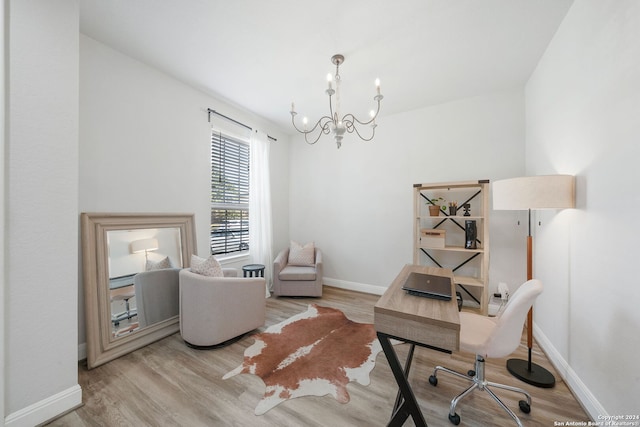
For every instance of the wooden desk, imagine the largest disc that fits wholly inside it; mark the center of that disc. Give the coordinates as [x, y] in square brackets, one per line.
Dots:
[418, 321]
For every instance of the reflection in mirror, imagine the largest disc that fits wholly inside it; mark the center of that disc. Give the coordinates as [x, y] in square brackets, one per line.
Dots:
[130, 272]
[131, 252]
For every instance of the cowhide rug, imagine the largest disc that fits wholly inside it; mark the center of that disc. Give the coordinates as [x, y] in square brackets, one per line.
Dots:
[314, 353]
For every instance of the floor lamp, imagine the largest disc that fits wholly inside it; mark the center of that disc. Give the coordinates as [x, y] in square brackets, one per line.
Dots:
[527, 193]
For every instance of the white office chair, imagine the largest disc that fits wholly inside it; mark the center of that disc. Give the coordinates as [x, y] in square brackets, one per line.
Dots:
[493, 337]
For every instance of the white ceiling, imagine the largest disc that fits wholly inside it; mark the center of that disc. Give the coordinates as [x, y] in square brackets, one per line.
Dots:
[263, 54]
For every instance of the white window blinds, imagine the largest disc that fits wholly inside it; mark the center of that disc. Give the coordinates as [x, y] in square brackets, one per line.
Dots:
[229, 194]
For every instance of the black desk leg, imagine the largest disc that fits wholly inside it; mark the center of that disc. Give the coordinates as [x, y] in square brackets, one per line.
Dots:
[410, 405]
[407, 367]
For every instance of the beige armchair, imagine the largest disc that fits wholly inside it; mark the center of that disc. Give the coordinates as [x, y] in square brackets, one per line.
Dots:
[215, 311]
[296, 280]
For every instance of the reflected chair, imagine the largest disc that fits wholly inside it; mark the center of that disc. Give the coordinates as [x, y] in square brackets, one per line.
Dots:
[125, 294]
[493, 337]
[215, 311]
[156, 295]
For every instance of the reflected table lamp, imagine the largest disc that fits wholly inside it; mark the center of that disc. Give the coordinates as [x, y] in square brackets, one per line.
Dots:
[144, 245]
[527, 193]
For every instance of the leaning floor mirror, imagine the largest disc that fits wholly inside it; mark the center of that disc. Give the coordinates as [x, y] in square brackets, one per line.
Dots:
[130, 273]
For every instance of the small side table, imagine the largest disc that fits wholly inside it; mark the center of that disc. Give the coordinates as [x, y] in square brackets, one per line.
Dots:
[252, 270]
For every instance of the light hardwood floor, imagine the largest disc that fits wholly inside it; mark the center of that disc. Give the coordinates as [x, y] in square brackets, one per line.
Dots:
[170, 384]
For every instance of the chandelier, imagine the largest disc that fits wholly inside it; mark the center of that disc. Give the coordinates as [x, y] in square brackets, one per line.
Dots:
[334, 123]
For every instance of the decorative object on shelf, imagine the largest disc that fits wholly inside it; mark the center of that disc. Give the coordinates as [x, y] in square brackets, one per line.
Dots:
[431, 238]
[527, 193]
[470, 234]
[436, 204]
[466, 208]
[334, 123]
[453, 208]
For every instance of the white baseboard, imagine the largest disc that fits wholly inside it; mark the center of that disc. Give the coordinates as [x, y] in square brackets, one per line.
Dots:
[584, 396]
[46, 409]
[354, 286]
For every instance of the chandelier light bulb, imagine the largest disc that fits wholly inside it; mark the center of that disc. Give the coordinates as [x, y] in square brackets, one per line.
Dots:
[378, 86]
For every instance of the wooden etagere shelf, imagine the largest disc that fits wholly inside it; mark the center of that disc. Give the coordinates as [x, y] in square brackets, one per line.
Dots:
[470, 266]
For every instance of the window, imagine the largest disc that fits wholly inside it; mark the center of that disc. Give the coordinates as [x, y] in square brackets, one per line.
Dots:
[229, 194]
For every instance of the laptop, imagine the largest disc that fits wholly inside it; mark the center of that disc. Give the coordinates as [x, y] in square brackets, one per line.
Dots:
[427, 285]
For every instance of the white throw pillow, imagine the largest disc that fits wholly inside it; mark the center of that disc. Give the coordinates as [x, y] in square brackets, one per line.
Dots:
[158, 265]
[302, 255]
[208, 267]
[196, 260]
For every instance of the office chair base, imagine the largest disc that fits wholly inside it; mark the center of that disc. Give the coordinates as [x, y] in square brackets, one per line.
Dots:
[455, 419]
[479, 382]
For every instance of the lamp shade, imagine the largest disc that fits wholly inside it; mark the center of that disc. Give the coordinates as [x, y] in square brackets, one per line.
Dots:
[534, 192]
[142, 245]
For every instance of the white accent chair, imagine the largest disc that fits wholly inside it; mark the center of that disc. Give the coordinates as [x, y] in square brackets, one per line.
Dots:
[297, 280]
[216, 311]
[493, 337]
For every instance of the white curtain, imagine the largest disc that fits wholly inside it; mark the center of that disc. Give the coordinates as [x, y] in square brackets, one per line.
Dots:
[260, 230]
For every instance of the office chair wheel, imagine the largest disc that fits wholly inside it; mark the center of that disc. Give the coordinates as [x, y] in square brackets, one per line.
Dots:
[455, 419]
[433, 380]
[524, 406]
[471, 373]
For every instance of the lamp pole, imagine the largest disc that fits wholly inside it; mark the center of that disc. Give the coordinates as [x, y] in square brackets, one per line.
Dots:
[526, 370]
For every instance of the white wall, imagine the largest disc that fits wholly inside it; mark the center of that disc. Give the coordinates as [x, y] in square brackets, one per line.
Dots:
[356, 202]
[145, 144]
[583, 105]
[3, 202]
[41, 241]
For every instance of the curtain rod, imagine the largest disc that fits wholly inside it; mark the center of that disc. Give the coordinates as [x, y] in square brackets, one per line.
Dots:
[209, 110]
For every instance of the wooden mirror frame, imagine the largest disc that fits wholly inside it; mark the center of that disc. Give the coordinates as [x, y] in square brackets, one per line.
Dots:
[101, 346]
